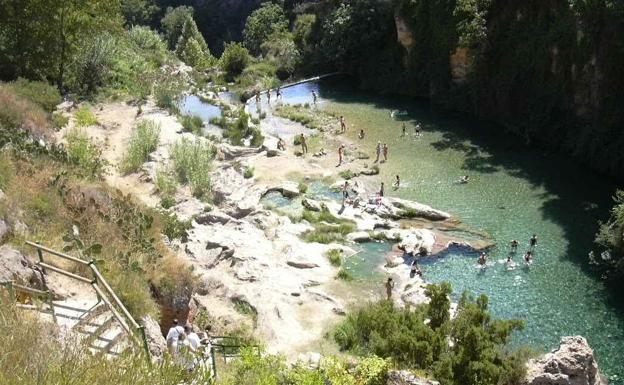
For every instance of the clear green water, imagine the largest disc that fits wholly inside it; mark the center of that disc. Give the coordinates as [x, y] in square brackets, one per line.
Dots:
[514, 192]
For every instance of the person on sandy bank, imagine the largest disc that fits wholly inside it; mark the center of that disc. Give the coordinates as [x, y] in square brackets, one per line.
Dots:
[341, 151]
[418, 130]
[304, 145]
[404, 130]
[397, 183]
[378, 151]
[343, 125]
[361, 134]
[173, 337]
[281, 144]
[314, 97]
[385, 152]
[389, 287]
[381, 190]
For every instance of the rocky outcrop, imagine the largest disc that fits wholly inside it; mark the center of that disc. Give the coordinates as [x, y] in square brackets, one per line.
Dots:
[461, 65]
[229, 152]
[14, 266]
[408, 209]
[4, 230]
[403, 377]
[155, 340]
[572, 363]
[312, 205]
[287, 189]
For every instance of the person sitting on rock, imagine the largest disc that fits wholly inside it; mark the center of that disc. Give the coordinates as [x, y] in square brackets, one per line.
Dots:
[281, 144]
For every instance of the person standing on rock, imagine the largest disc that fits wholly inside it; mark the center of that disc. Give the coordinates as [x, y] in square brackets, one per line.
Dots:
[378, 151]
[314, 97]
[340, 154]
[268, 96]
[257, 97]
[304, 145]
[173, 336]
[389, 287]
[278, 93]
[343, 124]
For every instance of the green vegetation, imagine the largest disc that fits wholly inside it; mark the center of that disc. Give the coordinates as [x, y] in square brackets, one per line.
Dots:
[167, 201]
[85, 117]
[347, 174]
[83, 153]
[478, 353]
[302, 113]
[327, 227]
[335, 257]
[43, 94]
[18, 112]
[192, 124]
[302, 187]
[174, 228]
[264, 22]
[249, 173]
[234, 59]
[192, 162]
[239, 130]
[344, 274]
[165, 181]
[610, 238]
[167, 93]
[143, 141]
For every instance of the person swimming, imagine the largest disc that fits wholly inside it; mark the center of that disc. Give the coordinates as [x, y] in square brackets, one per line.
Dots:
[533, 241]
[361, 134]
[514, 245]
[482, 259]
[464, 179]
[528, 257]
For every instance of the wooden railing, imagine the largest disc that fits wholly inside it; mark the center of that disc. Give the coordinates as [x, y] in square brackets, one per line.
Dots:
[102, 289]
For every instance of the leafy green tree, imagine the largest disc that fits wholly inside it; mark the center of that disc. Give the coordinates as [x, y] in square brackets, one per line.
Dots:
[302, 30]
[438, 309]
[139, 12]
[234, 59]
[191, 46]
[173, 23]
[262, 23]
[281, 50]
[611, 238]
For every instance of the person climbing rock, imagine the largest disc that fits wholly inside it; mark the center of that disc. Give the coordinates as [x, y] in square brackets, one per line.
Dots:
[389, 287]
[281, 145]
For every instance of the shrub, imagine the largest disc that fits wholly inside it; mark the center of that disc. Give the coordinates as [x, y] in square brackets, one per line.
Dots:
[59, 120]
[18, 112]
[302, 187]
[83, 153]
[146, 39]
[85, 117]
[234, 59]
[345, 275]
[175, 228]
[167, 93]
[167, 201]
[165, 182]
[41, 93]
[192, 162]
[347, 174]
[192, 124]
[257, 139]
[143, 141]
[249, 173]
[335, 257]
[94, 62]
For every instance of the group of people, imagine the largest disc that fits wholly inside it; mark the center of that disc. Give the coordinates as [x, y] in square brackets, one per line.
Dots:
[186, 346]
[528, 256]
[381, 149]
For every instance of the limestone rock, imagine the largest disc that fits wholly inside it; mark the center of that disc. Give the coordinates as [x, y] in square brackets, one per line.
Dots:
[2, 196]
[212, 217]
[403, 377]
[359, 237]
[272, 153]
[14, 266]
[155, 340]
[572, 363]
[4, 230]
[394, 260]
[396, 208]
[311, 204]
[287, 189]
[229, 152]
[302, 264]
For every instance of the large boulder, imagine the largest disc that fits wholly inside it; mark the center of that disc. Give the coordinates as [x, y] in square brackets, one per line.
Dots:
[312, 205]
[14, 266]
[403, 377]
[572, 363]
[155, 339]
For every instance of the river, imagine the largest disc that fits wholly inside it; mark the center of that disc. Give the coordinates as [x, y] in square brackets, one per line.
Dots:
[514, 192]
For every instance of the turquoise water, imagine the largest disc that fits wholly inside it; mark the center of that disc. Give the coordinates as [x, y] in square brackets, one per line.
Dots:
[514, 192]
[192, 105]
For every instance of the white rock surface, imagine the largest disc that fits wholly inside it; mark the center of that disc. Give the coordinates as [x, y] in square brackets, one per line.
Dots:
[572, 363]
[403, 377]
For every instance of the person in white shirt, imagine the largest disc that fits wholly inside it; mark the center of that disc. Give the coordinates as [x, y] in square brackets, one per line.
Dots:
[173, 336]
[192, 337]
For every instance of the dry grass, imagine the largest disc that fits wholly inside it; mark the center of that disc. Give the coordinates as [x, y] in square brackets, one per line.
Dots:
[18, 112]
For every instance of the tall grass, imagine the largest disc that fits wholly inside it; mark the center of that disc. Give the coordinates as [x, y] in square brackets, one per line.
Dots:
[83, 153]
[144, 140]
[192, 162]
[18, 112]
[193, 124]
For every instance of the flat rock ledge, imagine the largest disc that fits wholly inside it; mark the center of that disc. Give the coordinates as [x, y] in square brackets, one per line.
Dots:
[572, 363]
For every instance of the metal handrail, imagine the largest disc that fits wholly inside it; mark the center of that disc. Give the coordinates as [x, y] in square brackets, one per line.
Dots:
[95, 283]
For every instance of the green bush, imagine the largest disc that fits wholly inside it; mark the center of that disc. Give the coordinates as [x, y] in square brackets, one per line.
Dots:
[610, 238]
[234, 59]
[347, 174]
[175, 228]
[144, 140]
[262, 23]
[85, 117]
[302, 187]
[335, 257]
[345, 275]
[419, 338]
[59, 120]
[249, 173]
[192, 162]
[167, 201]
[44, 94]
[192, 124]
[167, 93]
[165, 182]
[83, 153]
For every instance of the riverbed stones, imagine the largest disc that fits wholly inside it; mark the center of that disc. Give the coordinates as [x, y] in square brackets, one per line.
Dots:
[14, 266]
[573, 363]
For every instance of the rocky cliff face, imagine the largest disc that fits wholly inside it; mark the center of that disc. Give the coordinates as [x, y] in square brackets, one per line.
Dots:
[572, 363]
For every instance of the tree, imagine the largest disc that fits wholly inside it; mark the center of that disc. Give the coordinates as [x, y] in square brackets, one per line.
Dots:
[234, 59]
[281, 49]
[611, 238]
[438, 309]
[173, 23]
[40, 38]
[262, 23]
[191, 47]
[139, 12]
[304, 24]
